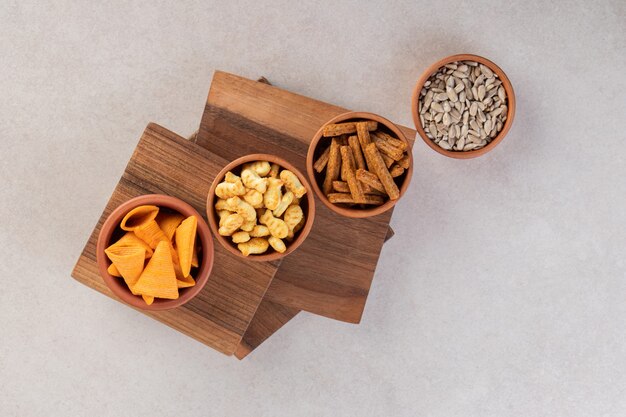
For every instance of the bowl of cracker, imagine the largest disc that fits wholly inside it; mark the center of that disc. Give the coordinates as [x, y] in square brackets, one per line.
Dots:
[359, 164]
[260, 207]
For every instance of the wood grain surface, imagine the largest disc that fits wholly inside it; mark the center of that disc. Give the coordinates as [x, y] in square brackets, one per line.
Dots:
[263, 118]
[165, 163]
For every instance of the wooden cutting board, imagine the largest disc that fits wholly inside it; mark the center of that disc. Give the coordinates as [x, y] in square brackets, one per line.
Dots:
[331, 273]
[165, 163]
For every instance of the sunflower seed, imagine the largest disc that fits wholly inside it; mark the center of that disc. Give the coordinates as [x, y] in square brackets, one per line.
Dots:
[481, 92]
[474, 125]
[436, 107]
[460, 143]
[481, 116]
[486, 71]
[473, 109]
[501, 93]
[452, 94]
[446, 119]
[452, 133]
[427, 100]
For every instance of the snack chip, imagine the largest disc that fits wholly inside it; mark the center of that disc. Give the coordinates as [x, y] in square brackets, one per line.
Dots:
[138, 216]
[194, 258]
[185, 241]
[129, 262]
[131, 239]
[151, 233]
[158, 279]
[168, 222]
[112, 269]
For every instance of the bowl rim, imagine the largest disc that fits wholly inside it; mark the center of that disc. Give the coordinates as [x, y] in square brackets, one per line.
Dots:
[508, 87]
[214, 221]
[357, 213]
[121, 290]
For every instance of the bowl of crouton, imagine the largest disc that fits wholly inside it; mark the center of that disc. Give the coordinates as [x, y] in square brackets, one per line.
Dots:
[359, 164]
[260, 207]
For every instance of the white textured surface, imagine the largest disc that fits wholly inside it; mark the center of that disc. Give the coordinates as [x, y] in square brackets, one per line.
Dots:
[502, 294]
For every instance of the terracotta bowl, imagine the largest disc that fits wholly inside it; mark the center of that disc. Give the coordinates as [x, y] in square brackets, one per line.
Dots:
[318, 178]
[508, 88]
[110, 232]
[307, 204]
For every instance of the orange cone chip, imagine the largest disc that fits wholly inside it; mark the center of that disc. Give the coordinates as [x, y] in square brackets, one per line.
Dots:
[159, 277]
[151, 233]
[139, 216]
[181, 280]
[130, 239]
[129, 262]
[148, 299]
[185, 240]
[194, 258]
[168, 222]
[112, 269]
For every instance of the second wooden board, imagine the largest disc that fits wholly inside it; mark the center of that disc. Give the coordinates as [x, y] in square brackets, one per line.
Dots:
[331, 273]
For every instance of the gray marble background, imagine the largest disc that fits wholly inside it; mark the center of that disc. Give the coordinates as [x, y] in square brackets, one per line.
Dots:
[502, 294]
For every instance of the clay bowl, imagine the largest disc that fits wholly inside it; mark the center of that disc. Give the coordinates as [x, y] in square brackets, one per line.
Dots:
[307, 203]
[318, 178]
[508, 88]
[110, 232]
